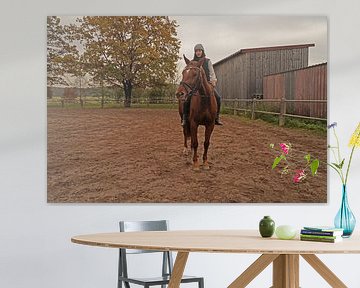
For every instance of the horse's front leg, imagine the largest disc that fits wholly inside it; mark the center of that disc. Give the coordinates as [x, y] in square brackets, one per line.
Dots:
[185, 151]
[208, 130]
[194, 145]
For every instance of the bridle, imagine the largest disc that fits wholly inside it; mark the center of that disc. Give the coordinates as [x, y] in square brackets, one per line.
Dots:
[189, 89]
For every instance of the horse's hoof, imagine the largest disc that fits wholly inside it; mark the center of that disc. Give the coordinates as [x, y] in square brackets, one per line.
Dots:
[196, 167]
[206, 167]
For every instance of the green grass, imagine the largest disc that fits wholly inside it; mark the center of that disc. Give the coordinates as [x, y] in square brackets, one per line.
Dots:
[319, 127]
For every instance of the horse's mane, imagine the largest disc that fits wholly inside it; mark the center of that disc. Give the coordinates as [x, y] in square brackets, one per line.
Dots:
[208, 89]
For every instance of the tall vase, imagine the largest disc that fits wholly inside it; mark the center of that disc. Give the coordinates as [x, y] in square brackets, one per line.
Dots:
[345, 219]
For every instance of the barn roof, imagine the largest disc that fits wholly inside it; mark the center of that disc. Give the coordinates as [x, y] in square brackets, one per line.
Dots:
[262, 49]
[297, 69]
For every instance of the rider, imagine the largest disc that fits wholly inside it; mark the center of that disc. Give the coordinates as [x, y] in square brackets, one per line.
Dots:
[211, 77]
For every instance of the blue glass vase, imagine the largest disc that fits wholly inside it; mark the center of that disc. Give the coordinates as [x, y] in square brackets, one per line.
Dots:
[345, 219]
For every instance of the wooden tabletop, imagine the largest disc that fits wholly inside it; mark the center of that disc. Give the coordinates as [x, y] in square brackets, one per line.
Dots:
[221, 241]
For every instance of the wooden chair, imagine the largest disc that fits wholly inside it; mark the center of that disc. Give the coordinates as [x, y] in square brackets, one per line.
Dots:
[167, 262]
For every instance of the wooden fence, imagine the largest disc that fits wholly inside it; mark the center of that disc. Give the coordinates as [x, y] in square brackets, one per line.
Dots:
[102, 103]
[252, 105]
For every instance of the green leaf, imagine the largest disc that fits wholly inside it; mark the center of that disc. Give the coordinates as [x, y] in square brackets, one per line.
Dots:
[277, 161]
[314, 166]
[335, 168]
[307, 158]
[342, 163]
[336, 165]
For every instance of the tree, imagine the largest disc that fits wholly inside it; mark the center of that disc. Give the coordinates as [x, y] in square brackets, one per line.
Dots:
[65, 63]
[129, 51]
[59, 51]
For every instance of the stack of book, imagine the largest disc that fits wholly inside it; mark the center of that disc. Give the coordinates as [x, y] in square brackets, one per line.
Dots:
[321, 234]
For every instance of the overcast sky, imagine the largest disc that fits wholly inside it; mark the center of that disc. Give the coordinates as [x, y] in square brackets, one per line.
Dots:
[225, 35]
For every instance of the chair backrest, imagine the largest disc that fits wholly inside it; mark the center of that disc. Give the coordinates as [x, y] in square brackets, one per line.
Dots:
[138, 226]
[134, 226]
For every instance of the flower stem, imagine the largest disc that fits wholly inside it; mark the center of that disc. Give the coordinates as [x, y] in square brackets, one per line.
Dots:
[339, 160]
[338, 146]
[337, 171]
[351, 155]
[348, 167]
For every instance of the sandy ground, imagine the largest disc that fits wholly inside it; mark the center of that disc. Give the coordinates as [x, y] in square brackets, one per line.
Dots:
[135, 155]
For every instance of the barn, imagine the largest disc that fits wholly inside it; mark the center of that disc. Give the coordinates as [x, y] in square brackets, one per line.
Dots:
[240, 75]
[305, 90]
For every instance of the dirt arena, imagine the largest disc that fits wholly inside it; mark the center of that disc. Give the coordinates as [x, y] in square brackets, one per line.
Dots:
[135, 155]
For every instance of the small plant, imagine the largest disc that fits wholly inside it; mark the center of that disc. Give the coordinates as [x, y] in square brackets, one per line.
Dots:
[299, 169]
[339, 163]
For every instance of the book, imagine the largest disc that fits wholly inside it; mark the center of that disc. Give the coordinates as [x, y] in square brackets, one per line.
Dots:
[319, 236]
[321, 233]
[323, 228]
[325, 240]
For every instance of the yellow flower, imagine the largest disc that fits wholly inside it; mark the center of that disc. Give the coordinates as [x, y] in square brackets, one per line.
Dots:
[355, 138]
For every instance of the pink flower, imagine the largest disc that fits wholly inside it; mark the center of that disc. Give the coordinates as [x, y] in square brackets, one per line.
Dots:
[299, 176]
[284, 148]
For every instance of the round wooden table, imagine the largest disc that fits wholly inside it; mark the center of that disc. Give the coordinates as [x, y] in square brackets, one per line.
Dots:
[284, 254]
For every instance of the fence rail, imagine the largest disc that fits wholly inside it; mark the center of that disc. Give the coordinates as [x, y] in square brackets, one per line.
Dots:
[233, 104]
[90, 101]
[252, 105]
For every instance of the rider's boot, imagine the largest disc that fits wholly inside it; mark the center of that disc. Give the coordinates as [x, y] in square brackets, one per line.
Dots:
[217, 120]
[218, 101]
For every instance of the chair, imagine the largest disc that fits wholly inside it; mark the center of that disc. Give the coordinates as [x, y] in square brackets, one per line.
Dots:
[167, 262]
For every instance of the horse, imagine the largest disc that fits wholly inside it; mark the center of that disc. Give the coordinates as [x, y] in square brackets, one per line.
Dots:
[203, 107]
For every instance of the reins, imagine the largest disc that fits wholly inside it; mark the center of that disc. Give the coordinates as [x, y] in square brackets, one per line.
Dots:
[189, 89]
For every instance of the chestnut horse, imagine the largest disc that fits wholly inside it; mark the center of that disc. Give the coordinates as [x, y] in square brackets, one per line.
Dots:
[203, 107]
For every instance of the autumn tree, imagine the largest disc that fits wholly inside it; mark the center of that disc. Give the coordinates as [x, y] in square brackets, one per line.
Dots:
[65, 63]
[129, 51]
[60, 52]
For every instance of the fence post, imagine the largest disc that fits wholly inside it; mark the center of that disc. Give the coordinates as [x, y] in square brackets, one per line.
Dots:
[102, 95]
[282, 112]
[253, 108]
[234, 107]
[62, 103]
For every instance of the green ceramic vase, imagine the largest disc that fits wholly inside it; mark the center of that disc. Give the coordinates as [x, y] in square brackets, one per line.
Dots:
[267, 227]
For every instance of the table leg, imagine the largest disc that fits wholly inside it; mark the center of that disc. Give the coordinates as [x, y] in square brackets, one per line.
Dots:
[253, 270]
[324, 271]
[286, 271]
[178, 269]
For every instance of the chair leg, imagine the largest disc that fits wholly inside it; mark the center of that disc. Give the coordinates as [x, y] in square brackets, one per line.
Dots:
[201, 283]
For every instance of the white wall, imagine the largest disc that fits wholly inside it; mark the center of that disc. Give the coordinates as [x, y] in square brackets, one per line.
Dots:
[35, 248]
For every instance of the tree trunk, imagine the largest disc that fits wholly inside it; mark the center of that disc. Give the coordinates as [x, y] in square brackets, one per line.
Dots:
[81, 100]
[102, 95]
[127, 91]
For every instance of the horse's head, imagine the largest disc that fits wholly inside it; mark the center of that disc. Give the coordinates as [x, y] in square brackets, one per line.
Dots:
[190, 81]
